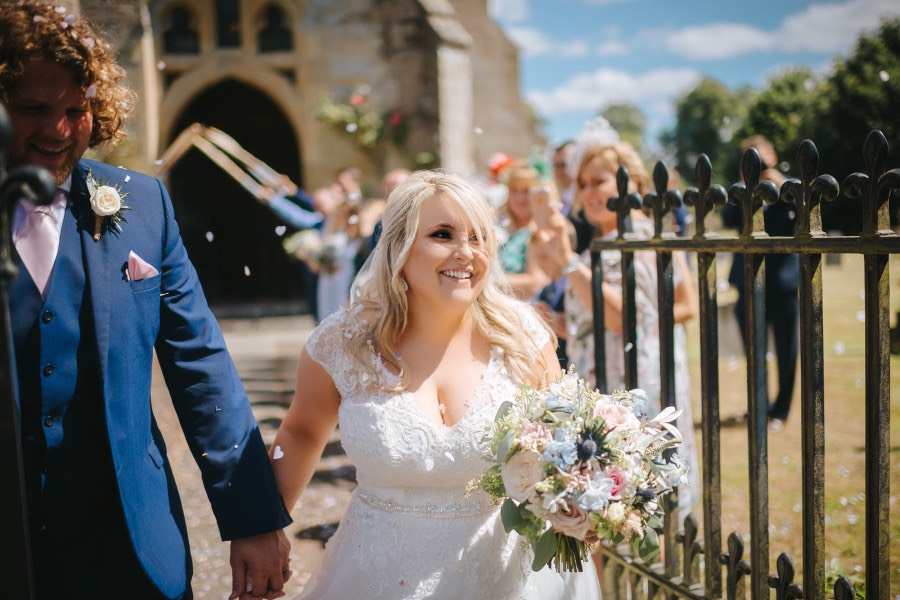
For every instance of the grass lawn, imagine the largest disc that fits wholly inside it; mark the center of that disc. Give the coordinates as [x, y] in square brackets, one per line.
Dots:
[844, 439]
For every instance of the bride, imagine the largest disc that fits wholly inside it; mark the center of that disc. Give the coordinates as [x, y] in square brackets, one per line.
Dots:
[413, 371]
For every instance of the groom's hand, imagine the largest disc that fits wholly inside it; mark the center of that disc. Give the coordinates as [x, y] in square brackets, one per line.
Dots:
[259, 566]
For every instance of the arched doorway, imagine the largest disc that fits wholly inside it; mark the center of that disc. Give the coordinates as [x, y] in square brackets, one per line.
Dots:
[230, 237]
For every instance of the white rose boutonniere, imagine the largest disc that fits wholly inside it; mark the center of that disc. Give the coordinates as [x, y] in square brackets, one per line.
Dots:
[106, 202]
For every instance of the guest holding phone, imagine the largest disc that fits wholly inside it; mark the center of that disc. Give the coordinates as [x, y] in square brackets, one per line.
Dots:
[518, 224]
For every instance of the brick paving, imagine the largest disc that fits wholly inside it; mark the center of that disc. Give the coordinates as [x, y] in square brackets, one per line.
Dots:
[265, 351]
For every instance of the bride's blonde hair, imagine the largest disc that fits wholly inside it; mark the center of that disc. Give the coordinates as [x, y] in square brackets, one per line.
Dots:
[495, 313]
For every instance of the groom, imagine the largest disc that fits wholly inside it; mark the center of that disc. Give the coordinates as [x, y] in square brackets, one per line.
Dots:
[95, 295]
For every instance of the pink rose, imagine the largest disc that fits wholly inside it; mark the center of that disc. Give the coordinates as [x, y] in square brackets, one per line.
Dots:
[619, 482]
[521, 473]
[572, 522]
[535, 437]
[616, 416]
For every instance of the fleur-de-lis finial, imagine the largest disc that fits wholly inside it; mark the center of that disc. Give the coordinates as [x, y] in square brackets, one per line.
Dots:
[750, 195]
[874, 187]
[663, 199]
[704, 197]
[783, 583]
[736, 567]
[623, 204]
[809, 191]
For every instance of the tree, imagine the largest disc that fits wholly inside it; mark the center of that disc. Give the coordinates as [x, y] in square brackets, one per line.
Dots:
[628, 120]
[777, 113]
[861, 94]
[706, 119]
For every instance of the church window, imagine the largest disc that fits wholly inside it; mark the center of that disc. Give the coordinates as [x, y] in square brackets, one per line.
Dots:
[180, 36]
[228, 23]
[275, 35]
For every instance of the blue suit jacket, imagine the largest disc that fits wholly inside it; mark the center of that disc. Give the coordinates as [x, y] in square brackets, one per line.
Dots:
[167, 312]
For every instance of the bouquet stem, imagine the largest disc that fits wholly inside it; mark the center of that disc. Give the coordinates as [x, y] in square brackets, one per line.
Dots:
[98, 226]
[570, 554]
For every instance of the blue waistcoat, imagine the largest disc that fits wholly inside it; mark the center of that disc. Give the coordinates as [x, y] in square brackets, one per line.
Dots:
[65, 443]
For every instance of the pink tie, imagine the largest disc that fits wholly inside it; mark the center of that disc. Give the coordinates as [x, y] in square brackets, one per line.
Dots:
[37, 243]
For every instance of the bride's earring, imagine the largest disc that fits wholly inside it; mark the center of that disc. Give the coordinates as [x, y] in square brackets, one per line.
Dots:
[404, 284]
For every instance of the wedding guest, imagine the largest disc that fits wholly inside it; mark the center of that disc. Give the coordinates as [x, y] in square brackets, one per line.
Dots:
[95, 297]
[600, 154]
[516, 254]
[782, 283]
[413, 372]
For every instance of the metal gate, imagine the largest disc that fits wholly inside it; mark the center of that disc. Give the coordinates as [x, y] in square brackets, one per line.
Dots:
[728, 567]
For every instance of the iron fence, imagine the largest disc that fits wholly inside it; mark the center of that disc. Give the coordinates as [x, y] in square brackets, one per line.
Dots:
[725, 571]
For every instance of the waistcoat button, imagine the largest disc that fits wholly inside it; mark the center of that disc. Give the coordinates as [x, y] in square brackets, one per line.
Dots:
[48, 370]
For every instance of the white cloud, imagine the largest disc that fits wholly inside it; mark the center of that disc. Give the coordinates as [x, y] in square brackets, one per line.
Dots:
[611, 48]
[819, 28]
[509, 11]
[534, 42]
[573, 49]
[591, 91]
[717, 41]
[833, 28]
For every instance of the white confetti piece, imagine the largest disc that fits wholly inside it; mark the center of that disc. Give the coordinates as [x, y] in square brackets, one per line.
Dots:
[127, 178]
[861, 316]
[209, 236]
[839, 348]
[429, 464]
[450, 456]
[884, 75]
[279, 231]
[277, 453]
[478, 131]
[246, 271]
[629, 347]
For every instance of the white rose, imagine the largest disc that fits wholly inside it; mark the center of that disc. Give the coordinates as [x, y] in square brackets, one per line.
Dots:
[617, 416]
[106, 201]
[615, 512]
[521, 473]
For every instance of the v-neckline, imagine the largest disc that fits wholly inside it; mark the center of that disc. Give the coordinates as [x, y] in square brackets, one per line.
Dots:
[444, 427]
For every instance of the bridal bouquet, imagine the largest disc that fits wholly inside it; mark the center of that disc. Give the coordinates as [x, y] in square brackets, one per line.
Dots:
[572, 466]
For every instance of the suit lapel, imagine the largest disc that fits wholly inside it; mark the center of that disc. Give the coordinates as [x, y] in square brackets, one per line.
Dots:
[96, 265]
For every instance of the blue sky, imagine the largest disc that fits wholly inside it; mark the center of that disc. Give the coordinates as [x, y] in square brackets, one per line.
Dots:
[578, 56]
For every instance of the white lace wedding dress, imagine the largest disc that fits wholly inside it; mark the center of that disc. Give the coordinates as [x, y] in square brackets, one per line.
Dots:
[409, 531]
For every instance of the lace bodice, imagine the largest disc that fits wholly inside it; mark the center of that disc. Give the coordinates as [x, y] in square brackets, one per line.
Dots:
[410, 532]
[387, 436]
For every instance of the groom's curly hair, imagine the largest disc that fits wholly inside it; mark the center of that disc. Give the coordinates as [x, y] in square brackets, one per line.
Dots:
[34, 30]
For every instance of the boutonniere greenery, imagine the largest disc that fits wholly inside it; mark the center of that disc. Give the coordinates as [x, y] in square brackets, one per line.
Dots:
[106, 202]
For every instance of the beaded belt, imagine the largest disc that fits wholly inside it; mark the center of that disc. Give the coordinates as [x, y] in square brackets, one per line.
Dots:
[454, 509]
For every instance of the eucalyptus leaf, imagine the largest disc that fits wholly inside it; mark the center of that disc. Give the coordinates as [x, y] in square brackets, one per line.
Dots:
[509, 515]
[649, 546]
[505, 446]
[503, 410]
[544, 550]
[655, 522]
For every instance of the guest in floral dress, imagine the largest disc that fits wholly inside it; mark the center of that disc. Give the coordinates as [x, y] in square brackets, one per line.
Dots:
[595, 184]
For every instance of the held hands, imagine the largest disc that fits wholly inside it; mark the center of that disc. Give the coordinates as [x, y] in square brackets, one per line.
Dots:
[259, 566]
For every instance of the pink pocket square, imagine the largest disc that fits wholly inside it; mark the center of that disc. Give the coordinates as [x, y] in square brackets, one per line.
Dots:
[138, 268]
